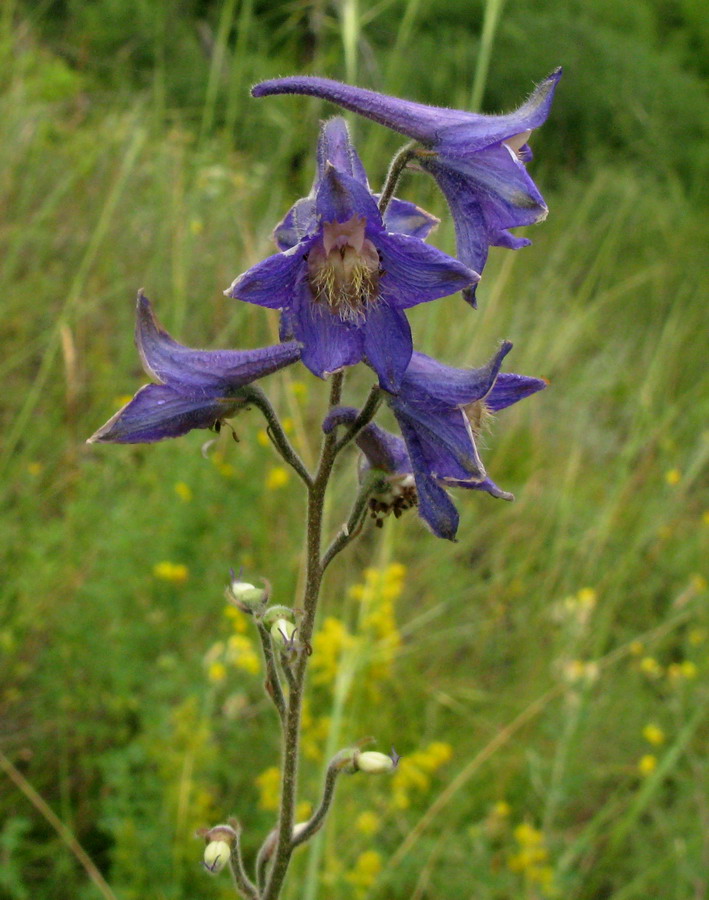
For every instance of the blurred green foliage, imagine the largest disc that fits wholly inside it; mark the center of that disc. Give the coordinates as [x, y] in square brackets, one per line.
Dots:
[130, 154]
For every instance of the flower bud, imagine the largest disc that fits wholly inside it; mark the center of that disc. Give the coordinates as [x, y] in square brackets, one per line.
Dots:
[282, 632]
[216, 856]
[245, 596]
[373, 763]
[273, 613]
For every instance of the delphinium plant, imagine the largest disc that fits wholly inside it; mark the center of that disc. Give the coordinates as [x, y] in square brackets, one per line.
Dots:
[349, 264]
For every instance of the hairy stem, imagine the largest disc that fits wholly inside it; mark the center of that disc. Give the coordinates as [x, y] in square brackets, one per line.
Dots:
[313, 578]
[396, 167]
[364, 417]
[273, 681]
[239, 876]
[316, 821]
[352, 528]
[279, 439]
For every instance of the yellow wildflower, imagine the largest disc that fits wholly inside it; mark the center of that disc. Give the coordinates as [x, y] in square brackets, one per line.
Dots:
[637, 648]
[277, 477]
[647, 764]
[686, 670]
[653, 734]
[414, 771]
[216, 672]
[650, 667]
[299, 389]
[705, 517]
[303, 811]
[241, 654]
[269, 786]
[368, 823]
[329, 644]
[673, 476]
[35, 468]
[697, 636]
[698, 582]
[174, 573]
[262, 438]
[532, 858]
[183, 491]
[237, 619]
[366, 869]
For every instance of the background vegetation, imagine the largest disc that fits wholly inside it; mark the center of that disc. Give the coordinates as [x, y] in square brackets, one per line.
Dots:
[546, 677]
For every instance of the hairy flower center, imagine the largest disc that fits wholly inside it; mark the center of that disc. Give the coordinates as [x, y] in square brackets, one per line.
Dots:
[478, 414]
[517, 141]
[399, 495]
[344, 269]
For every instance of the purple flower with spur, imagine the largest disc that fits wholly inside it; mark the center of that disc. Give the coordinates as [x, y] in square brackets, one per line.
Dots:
[344, 286]
[477, 160]
[441, 412]
[196, 388]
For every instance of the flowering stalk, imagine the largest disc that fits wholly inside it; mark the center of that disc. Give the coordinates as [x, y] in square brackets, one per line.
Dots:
[350, 263]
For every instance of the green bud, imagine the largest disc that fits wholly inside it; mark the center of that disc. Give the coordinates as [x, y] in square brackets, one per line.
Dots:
[246, 596]
[216, 856]
[282, 632]
[273, 613]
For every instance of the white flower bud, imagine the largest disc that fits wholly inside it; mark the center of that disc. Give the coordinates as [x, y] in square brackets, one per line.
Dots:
[282, 632]
[216, 856]
[373, 763]
[246, 596]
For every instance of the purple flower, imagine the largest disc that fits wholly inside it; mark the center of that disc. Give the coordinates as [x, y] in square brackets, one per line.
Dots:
[344, 279]
[441, 412]
[196, 388]
[477, 160]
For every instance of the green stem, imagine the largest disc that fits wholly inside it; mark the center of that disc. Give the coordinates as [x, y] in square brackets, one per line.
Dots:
[364, 417]
[352, 528]
[313, 579]
[273, 681]
[316, 821]
[239, 876]
[256, 396]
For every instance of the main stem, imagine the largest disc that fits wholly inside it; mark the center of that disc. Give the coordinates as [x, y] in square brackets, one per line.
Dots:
[313, 579]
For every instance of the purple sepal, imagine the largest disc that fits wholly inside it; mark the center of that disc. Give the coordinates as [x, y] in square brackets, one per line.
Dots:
[197, 388]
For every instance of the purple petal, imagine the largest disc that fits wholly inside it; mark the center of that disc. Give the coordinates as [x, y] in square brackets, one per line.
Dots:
[487, 194]
[340, 198]
[190, 371]
[299, 222]
[445, 439]
[487, 484]
[432, 384]
[158, 412]
[329, 343]
[510, 388]
[335, 147]
[438, 127]
[435, 506]
[272, 283]
[387, 344]
[414, 272]
[407, 218]
[507, 195]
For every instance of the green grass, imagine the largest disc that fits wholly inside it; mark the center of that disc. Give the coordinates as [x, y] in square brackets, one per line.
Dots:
[106, 704]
